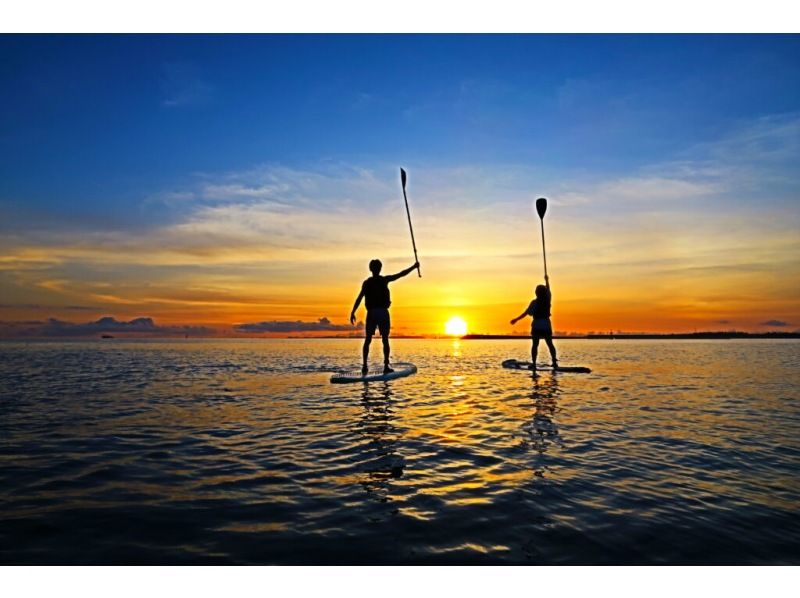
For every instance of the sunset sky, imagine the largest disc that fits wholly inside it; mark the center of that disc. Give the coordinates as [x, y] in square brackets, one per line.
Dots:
[227, 181]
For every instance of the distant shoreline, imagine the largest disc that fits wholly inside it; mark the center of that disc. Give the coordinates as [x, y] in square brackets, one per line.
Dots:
[468, 337]
[665, 336]
[624, 336]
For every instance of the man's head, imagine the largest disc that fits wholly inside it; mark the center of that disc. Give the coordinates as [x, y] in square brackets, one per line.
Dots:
[375, 267]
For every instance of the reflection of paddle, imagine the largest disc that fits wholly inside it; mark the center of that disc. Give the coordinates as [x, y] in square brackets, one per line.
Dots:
[541, 208]
[411, 228]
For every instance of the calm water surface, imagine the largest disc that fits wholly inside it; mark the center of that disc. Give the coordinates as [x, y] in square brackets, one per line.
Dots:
[242, 452]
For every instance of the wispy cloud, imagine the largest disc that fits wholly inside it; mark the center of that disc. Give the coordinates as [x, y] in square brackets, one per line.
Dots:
[261, 241]
[37, 306]
[363, 100]
[323, 324]
[183, 85]
[775, 323]
[59, 328]
[769, 139]
[621, 192]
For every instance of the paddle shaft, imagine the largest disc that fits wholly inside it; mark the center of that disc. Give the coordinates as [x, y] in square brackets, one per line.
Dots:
[544, 254]
[411, 228]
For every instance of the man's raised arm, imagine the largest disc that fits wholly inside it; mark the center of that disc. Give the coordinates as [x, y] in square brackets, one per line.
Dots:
[402, 273]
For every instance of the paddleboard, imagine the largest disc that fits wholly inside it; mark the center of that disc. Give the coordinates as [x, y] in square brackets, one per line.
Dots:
[401, 370]
[513, 364]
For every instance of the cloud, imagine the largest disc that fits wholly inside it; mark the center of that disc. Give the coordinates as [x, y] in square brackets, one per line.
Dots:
[170, 198]
[107, 324]
[243, 192]
[327, 186]
[775, 323]
[363, 100]
[755, 161]
[272, 235]
[37, 306]
[20, 306]
[771, 138]
[182, 85]
[274, 212]
[323, 324]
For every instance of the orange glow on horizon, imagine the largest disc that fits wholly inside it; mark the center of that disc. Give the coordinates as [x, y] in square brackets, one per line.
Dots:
[594, 290]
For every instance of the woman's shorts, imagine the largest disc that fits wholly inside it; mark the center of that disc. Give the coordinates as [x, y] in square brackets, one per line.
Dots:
[542, 329]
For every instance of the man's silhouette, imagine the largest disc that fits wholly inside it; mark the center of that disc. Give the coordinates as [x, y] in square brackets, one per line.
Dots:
[375, 291]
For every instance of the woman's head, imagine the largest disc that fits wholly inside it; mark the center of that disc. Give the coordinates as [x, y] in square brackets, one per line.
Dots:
[541, 292]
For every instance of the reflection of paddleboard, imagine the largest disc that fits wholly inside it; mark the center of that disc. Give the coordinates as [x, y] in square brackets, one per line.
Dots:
[401, 370]
[513, 364]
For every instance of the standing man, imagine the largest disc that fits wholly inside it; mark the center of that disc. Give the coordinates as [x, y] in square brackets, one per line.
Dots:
[375, 291]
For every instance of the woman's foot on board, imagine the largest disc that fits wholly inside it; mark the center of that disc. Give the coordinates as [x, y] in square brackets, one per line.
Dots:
[364, 370]
[554, 365]
[387, 369]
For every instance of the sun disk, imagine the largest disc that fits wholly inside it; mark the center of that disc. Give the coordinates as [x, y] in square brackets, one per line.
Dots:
[455, 326]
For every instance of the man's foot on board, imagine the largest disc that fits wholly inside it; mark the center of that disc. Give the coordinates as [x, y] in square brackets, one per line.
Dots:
[364, 370]
[532, 367]
[387, 369]
[554, 365]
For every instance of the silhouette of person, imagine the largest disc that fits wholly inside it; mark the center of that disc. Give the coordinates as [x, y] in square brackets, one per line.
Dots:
[541, 328]
[375, 292]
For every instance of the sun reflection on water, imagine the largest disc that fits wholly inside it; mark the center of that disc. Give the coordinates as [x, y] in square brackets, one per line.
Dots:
[464, 460]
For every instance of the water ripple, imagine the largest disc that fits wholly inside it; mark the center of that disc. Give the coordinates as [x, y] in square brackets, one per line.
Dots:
[153, 452]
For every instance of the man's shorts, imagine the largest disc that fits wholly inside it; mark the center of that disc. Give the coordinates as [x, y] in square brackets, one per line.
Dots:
[542, 329]
[378, 317]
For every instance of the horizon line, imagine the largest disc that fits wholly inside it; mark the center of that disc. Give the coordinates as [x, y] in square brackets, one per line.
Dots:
[707, 334]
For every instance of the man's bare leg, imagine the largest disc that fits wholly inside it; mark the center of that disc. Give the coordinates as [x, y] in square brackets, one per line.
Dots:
[386, 368]
[365, 351]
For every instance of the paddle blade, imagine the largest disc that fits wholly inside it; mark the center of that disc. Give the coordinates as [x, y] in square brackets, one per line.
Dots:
[403, 178]
[541, 206]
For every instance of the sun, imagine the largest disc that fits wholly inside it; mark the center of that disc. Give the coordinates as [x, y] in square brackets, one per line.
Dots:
[455, 326]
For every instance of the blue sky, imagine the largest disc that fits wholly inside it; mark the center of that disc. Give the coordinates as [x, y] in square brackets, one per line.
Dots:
[156, 138]
[88, 117]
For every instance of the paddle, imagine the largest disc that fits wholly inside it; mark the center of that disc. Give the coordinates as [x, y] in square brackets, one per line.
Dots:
[541, 208]
[408, 213]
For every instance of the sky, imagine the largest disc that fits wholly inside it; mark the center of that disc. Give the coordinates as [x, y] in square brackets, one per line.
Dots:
[241, 184]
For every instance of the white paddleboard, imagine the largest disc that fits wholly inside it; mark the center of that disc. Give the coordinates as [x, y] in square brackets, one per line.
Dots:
[513, 364]
[401, 370]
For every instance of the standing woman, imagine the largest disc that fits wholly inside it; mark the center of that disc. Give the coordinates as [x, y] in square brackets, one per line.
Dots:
[541, 328]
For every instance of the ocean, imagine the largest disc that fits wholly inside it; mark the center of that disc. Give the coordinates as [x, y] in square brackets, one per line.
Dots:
[241, 452]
